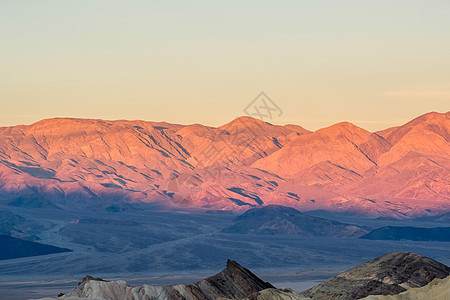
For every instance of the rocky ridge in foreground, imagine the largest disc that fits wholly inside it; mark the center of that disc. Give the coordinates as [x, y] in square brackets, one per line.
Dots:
[390, 274]
[233, 282]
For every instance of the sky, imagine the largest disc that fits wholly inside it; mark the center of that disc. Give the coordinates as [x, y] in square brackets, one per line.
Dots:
[374, 63]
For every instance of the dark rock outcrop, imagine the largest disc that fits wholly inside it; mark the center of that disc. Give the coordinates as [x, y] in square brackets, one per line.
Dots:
[88, 278]
[387, 275]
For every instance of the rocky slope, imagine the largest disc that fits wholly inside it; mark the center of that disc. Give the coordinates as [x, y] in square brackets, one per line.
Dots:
[387, 275]
[438, 289]
[276, 294]
[246, 163]
[281, 220]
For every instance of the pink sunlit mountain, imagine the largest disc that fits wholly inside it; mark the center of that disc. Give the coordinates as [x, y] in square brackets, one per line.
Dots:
[399, 171]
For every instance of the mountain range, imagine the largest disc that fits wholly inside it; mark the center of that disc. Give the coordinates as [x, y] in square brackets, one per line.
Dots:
[399, 171]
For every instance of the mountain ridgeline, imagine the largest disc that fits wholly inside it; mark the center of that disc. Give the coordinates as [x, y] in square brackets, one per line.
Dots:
[57, 163]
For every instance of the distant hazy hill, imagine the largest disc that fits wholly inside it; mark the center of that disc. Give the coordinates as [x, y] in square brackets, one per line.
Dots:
[11, 247]
[281, 220]
[409, 233]
[245, 163]
[444, 218]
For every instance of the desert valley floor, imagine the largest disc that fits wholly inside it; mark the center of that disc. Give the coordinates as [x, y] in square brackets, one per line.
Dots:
[140, 245]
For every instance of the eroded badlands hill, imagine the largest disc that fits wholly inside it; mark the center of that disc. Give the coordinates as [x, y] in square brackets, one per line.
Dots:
[390, 274]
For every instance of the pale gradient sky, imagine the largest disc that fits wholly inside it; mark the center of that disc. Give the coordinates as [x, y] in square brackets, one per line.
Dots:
[374, 63]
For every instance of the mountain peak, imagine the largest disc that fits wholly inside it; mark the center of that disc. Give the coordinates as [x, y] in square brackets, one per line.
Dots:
[433, 115]
[345, 124]
[240, 276]
[343, 127]
[344, 145]
[427, 134]
[244, 122]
